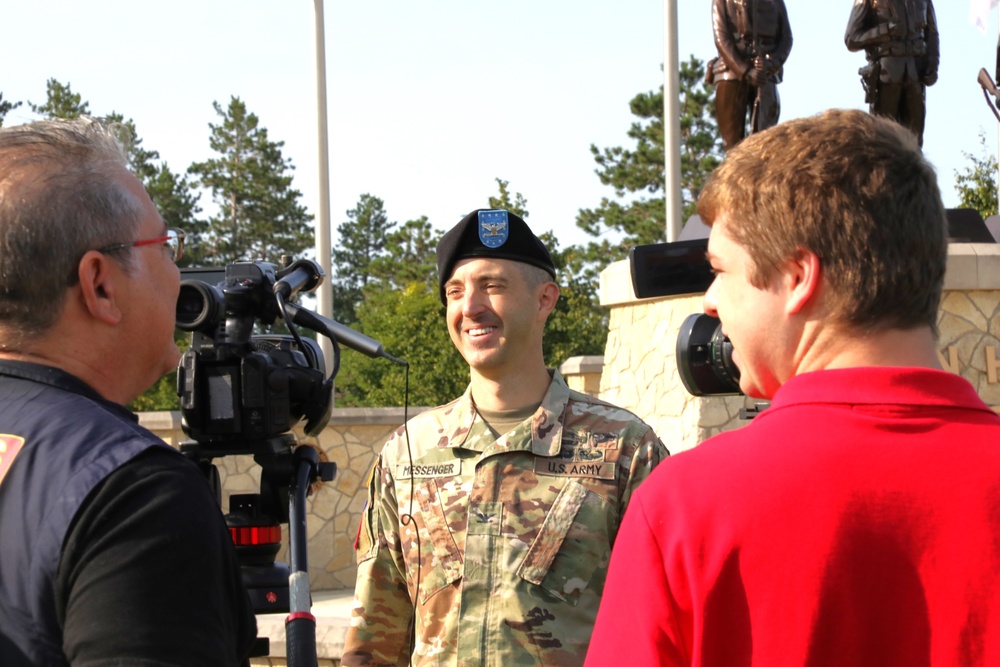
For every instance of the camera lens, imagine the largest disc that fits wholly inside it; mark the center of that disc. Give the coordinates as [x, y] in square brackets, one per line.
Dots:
[705, 358]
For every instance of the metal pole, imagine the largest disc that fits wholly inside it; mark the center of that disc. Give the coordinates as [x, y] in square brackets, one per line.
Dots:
[324, 295]
[671, 122]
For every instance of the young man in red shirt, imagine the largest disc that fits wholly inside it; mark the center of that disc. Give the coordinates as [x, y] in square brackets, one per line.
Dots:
[856, 520]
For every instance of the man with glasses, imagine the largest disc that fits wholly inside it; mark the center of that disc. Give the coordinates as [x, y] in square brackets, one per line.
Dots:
[112, 547]
[173, 242]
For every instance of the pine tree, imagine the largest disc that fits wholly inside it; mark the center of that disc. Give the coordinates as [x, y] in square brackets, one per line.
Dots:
[361, 241]
[636, 172]
[410, 255]
[6, 107]
[578, 325]
[518, 206]
[259, 216]
[60, 102]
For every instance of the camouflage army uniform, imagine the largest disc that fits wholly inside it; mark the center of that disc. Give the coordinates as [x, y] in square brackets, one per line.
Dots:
[505, 558]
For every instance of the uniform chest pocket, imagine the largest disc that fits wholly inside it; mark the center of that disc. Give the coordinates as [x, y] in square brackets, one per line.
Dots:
[572, 544]
[440, 561]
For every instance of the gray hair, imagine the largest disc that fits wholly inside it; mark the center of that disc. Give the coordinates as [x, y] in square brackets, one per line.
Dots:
[60, 196]
[535, 276]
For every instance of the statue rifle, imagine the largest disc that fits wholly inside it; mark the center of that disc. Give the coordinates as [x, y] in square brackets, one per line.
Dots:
[989, 88]
[755, 114]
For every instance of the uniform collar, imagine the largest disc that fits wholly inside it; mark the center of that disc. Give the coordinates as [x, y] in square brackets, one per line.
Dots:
[545, 425]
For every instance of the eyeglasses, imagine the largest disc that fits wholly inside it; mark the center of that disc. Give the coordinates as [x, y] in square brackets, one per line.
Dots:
[174, 241]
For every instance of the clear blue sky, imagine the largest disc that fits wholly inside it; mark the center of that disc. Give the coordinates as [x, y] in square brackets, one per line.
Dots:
[429, 101]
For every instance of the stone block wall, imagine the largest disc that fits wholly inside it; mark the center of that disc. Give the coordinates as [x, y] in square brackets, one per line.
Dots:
[583, 374]
[352, 440]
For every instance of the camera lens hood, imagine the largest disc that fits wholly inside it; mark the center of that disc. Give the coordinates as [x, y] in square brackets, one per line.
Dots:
[705, 358]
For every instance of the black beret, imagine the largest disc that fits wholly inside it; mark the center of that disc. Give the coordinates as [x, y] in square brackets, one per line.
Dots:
[497, 234]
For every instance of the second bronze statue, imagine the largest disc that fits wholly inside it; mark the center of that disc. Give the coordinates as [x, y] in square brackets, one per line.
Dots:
[900, 40]
[753, 38]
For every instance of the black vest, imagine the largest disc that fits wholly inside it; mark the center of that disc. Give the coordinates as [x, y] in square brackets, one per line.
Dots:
[58, 440]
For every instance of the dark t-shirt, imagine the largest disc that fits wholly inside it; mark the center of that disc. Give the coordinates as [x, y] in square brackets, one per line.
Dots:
[147, 575]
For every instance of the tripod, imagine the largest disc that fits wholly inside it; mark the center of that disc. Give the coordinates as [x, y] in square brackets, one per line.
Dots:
[287, 475]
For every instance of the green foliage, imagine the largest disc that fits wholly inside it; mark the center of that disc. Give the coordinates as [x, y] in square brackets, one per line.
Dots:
[701, 143]
[178, 205]
[163, 394]
[578, 325]
[410, 324]
[633, 173]
[519, 206]
[171, 193]
[361, 240]
[6, 107]
[387, 286]
[977, 184]
[140, 160]
[401, 308]
[61, 102]
[410, 255]
[385, 273]
[259, 213]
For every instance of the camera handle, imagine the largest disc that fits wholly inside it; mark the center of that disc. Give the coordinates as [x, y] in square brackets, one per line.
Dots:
[300, 625]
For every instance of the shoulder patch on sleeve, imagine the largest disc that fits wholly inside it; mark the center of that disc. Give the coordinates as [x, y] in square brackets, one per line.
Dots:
[365, 541]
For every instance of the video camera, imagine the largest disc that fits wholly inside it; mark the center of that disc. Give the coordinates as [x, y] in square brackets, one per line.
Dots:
[704, 354]
[242, 392]
[236, 387]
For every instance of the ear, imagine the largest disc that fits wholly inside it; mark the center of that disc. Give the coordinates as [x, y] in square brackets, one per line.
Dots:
[98, 287]
[547, 298]
[803, 277]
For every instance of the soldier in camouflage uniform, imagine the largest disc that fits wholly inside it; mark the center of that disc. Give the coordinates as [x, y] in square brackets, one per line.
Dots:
[490, 520]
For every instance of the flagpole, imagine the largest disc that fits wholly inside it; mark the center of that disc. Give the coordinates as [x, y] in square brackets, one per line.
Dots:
[324, 294]
[671, 123]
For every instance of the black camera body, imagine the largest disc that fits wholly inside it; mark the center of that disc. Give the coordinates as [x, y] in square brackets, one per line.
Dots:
[704, 354]
[236, 387]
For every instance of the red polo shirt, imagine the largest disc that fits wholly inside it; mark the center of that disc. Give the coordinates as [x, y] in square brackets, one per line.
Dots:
[856, 521]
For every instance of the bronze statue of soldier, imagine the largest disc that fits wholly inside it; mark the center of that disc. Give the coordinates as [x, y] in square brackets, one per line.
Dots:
[900, 40]
[753, 38]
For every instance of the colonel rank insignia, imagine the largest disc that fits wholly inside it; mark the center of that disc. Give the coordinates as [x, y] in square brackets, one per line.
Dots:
[493, 229]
